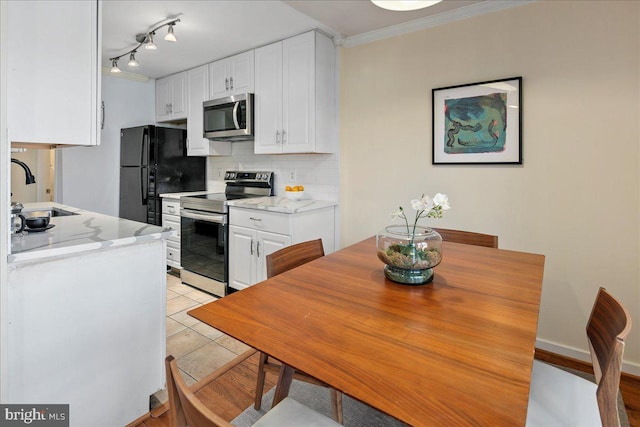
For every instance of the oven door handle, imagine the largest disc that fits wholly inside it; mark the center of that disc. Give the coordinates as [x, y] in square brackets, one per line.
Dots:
[218, 219]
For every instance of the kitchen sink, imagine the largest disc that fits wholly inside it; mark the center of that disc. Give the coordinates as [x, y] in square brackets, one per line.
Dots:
[61, 212]
[52, 211]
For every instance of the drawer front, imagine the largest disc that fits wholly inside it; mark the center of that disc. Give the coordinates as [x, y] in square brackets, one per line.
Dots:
[173, 254]
[260, 220]
[170, 207]
[172, 222]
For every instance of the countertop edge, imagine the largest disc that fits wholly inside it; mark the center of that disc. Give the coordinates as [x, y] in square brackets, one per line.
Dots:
[282, 205]
[88, 231]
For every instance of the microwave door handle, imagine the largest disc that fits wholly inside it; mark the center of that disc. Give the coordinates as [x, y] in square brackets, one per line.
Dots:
[236, 108]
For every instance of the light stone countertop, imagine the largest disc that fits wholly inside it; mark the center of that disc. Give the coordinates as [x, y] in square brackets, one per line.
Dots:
[75, 234]
[282, 204]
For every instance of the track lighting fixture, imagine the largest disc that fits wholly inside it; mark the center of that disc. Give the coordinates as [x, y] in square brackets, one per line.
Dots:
[114, 66]
[170, 37]
[145, 39]
[150, 45]
[132, 60]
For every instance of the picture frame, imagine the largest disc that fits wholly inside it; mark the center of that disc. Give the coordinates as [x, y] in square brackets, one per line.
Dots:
[477, 123]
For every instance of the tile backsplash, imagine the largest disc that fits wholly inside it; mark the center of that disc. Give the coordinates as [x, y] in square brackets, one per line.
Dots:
[317, 172]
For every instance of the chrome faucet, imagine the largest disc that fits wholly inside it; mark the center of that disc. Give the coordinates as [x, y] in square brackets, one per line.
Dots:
[30, 179]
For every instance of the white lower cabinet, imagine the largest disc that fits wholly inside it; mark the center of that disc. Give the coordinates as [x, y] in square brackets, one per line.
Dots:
[254, 234]
[247, 251]
[171, 219]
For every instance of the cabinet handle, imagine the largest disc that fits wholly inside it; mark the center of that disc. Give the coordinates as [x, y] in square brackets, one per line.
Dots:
[284, 136]
[251, 246]
[258, 249]
[226, 84]
[171, 108]
[102, 107]
[255, 219]
[231, 82]
[277, 137]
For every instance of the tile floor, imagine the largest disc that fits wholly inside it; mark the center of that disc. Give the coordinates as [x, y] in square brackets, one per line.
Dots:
[198, 348]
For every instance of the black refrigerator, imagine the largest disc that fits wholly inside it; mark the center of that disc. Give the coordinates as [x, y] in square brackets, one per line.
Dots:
[153, 161]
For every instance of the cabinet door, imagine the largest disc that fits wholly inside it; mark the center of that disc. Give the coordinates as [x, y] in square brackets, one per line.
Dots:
[298, 93]
[53, 97]
[219, 79]
[268, 243]
[268, 99]
[198, 91]
[242, 260]
[178, 100]
[242, 73]
[163, 94]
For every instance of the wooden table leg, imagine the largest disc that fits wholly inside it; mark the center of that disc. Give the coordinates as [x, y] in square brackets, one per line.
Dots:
[284, 383]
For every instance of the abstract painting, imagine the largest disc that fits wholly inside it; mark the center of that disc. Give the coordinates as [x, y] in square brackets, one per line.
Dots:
[478, 123]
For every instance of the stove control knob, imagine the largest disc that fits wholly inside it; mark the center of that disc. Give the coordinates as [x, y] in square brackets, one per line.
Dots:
[226, 175]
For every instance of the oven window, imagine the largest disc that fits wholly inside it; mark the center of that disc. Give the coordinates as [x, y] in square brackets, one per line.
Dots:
[202, 248]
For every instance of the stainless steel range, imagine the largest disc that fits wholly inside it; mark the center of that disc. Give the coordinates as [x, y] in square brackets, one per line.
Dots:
[204, 234]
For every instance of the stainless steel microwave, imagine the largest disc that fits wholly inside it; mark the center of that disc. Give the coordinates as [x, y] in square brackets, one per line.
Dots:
[229, 119]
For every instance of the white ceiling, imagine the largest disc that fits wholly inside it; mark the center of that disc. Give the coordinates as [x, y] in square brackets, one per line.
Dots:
[214, 29]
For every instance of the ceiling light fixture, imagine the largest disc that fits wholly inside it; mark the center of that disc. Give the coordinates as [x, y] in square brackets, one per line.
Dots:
[114, 66]
[132, 60]
[150, 45]
[145, 39]
[170, 37]
[404, 5]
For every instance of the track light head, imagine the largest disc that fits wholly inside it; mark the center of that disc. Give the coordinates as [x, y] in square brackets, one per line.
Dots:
[170, 37]
[150, 45]
[132, 60]
[114, 66]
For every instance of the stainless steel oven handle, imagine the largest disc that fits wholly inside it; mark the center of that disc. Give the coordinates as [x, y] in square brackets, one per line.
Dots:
[219, 219]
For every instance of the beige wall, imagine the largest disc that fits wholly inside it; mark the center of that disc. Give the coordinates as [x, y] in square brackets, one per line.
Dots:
[576, 197]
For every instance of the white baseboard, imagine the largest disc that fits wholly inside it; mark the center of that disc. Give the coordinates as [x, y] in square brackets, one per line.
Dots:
[627, 367]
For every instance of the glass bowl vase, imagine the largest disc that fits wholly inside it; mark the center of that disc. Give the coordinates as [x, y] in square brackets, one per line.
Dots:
[409, 255]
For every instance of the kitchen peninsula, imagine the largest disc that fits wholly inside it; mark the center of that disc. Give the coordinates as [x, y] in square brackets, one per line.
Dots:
[86, 315]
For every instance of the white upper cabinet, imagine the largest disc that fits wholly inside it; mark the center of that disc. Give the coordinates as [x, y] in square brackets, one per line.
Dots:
[295, 96]
[171, 98]
[198, 92]
[231, 76]
[53, 85]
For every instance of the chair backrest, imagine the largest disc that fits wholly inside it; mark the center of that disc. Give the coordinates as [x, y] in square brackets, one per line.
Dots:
[468, 237]
[185, 409]
[608, 326]
[293, 256]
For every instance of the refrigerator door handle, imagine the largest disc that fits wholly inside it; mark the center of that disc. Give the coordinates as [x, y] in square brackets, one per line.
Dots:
[145, 141]
[143, 186]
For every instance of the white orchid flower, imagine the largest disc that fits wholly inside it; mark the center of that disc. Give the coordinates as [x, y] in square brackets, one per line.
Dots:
[397, 214]
[441, 200]
[423, 204]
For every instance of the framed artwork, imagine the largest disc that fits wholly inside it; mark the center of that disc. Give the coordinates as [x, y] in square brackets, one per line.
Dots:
[478, 123]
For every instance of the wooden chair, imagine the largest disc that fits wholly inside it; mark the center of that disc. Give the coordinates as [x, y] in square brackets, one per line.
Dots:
[278, 262]
[185, 409]
[468, 237]
[558, 397]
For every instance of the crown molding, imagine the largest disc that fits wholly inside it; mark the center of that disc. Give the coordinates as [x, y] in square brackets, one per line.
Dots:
[125, 75]
[470, 11]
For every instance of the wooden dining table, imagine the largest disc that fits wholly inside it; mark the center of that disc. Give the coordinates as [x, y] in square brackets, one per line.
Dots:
[457, 351]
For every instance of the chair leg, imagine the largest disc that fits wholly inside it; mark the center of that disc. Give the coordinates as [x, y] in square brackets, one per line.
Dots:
[260, 383]
[336, 405]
